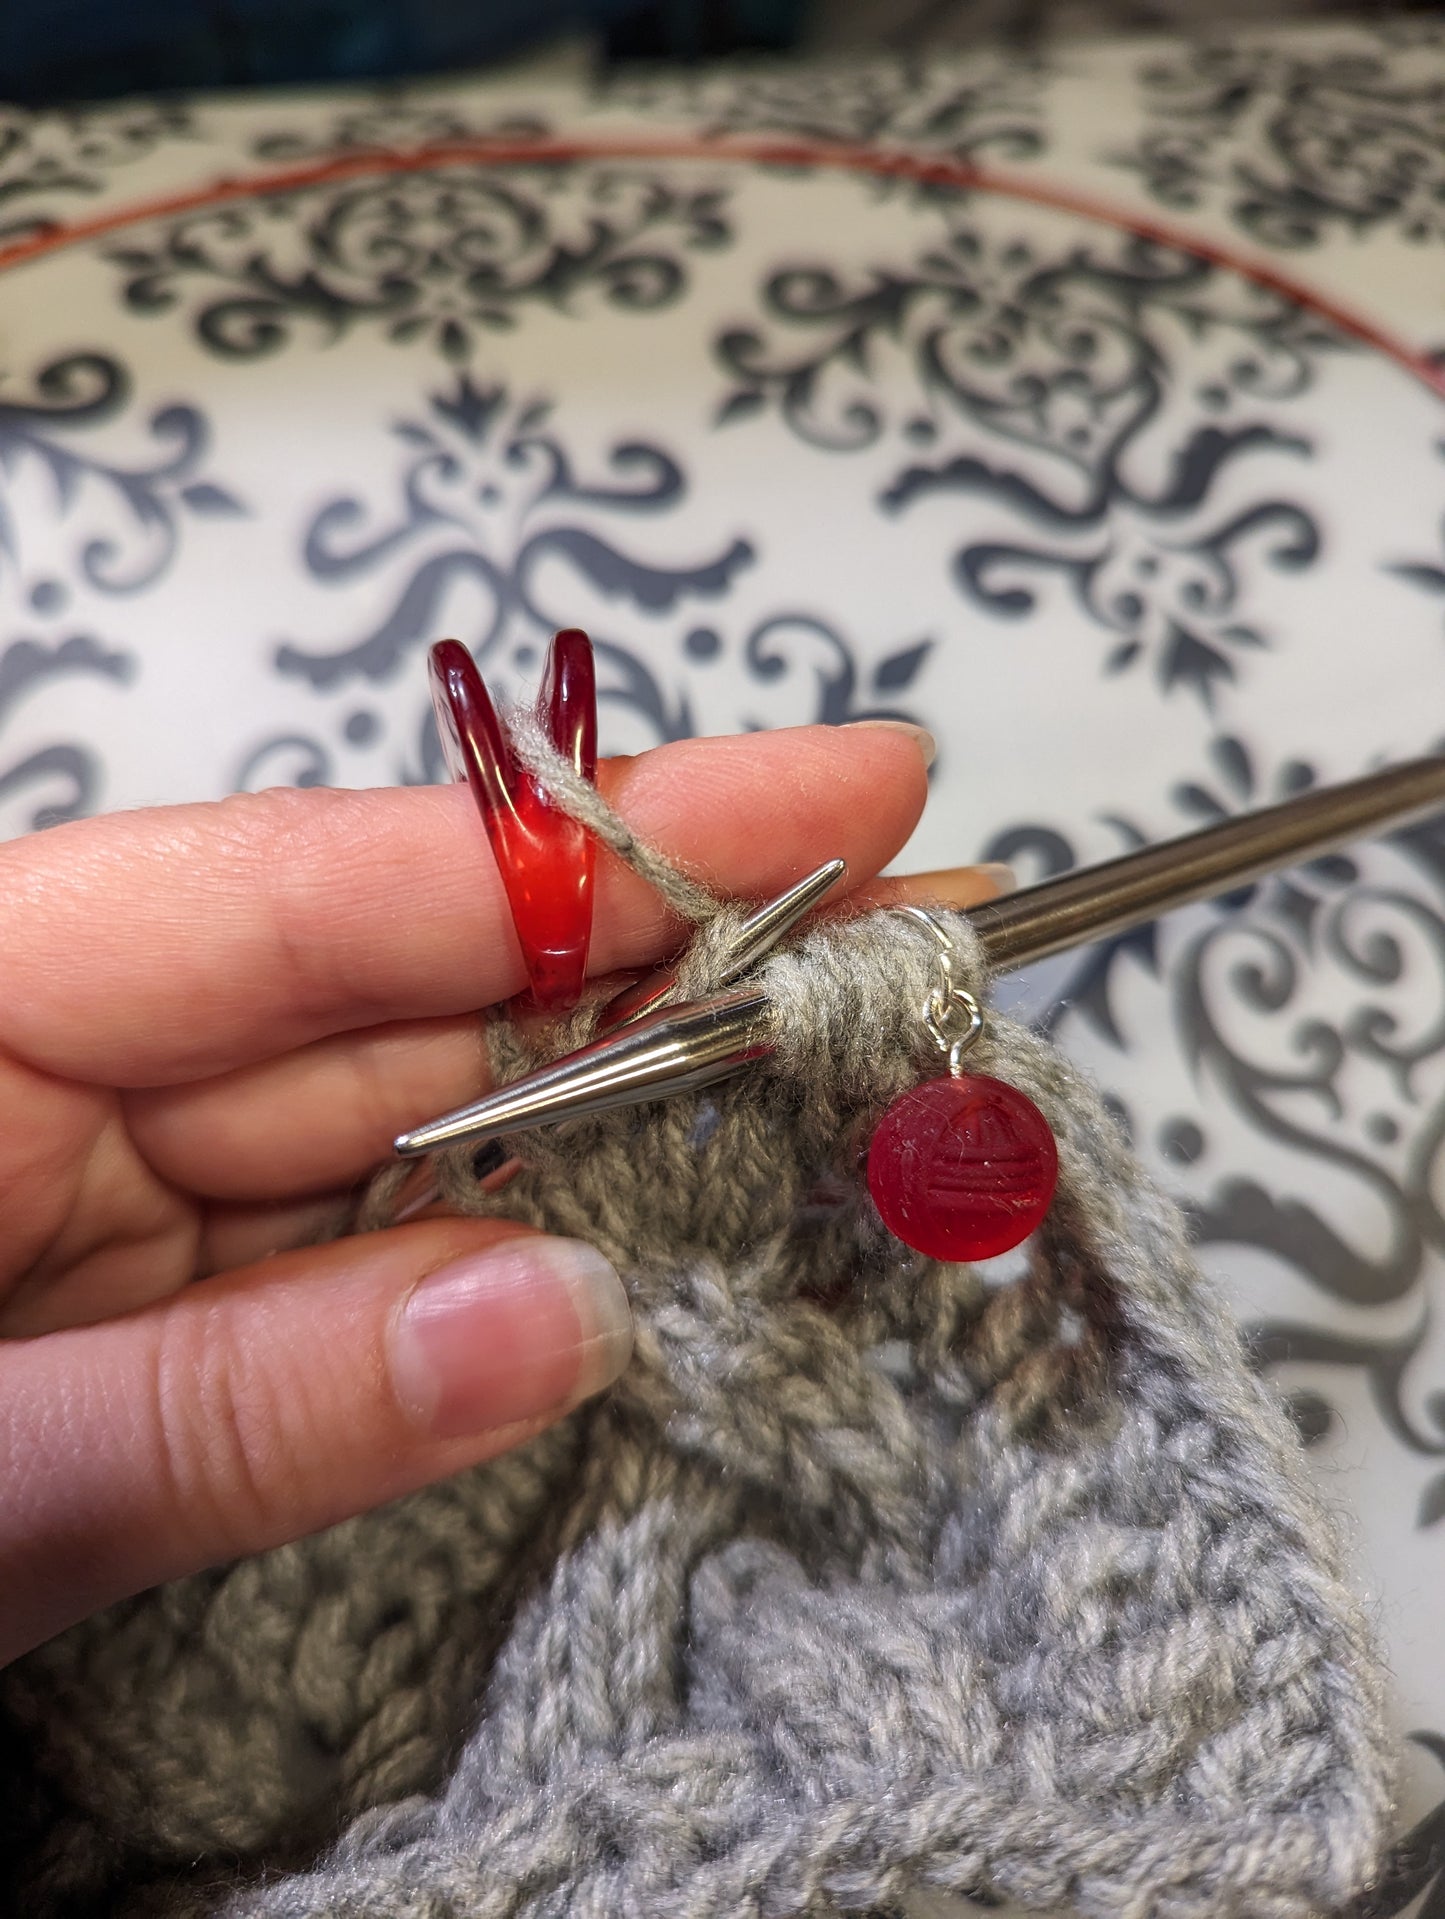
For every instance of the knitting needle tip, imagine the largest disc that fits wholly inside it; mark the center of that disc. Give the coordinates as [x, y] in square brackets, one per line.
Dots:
[677, 1050]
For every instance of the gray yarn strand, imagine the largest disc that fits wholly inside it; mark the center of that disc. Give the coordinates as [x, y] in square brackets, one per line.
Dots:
[871, 1576]
[583, 802]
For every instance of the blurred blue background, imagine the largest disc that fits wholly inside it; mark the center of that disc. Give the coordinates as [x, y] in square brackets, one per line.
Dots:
[60, 50]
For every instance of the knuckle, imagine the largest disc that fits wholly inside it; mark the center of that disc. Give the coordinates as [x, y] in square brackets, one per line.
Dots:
[295, 849]
[277, 816]
[230, 1433]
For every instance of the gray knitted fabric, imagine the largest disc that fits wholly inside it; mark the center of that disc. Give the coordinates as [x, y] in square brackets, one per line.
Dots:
[871, 1575]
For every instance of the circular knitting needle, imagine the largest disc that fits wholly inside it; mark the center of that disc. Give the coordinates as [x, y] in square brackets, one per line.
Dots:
[677, 1058]
[758, 934]
[677, 1050]
[1098, 901]
[681, 1048]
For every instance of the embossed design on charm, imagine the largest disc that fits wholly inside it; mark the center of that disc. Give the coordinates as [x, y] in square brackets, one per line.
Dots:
[962, 1167]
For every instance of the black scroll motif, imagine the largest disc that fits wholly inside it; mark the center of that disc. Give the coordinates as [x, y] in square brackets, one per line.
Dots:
[288, 759]
[444, 256]
[1297, 142]
[1046, 387]
[390, 119]
[808, 672]
[1385, 1363]
[1363, 1094]
[1354, 1084]
[121, 521]
[985, 108]
[1255, 973]
[499, 532]
[799, 646]
[1313, 1006]
[1428, 576]
[51, 162]
[493, 509]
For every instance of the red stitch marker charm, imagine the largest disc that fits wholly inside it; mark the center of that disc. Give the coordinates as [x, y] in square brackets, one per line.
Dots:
[962, 1168]
[545, 858]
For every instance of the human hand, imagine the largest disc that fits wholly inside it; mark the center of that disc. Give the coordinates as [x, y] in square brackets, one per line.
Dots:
[213, 1020]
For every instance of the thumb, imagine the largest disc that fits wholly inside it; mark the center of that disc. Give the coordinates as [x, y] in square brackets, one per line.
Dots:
[280, 1398]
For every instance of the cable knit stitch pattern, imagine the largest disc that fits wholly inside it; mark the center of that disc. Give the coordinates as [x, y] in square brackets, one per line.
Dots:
[869, 1576]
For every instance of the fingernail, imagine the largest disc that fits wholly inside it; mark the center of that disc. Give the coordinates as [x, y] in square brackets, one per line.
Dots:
[1003, 876]
[927, 745]
[532, 1326]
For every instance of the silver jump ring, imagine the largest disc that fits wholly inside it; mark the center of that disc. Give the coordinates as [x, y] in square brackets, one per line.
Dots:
[947, 1001]
[938, 1021]
[934, 926]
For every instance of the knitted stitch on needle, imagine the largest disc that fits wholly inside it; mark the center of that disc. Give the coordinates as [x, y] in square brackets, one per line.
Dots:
[872, 1574]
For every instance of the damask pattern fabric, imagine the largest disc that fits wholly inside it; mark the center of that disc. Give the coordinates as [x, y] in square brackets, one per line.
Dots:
[1108, 444]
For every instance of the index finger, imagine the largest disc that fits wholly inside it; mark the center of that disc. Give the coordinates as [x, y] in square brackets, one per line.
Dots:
[159, 946]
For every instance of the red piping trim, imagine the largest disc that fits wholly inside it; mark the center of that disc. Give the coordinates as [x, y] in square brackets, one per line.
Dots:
[755, 150]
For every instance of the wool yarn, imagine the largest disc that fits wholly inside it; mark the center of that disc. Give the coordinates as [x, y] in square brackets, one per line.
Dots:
[871, 1576]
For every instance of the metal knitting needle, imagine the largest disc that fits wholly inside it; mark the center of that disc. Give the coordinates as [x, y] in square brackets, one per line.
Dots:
[758, 934]
[680, 1049]
[679, 1059]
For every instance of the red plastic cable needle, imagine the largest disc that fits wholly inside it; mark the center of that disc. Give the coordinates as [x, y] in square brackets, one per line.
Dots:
[545, 858]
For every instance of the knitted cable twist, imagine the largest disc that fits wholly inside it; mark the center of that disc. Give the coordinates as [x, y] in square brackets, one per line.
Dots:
[871, 1575]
